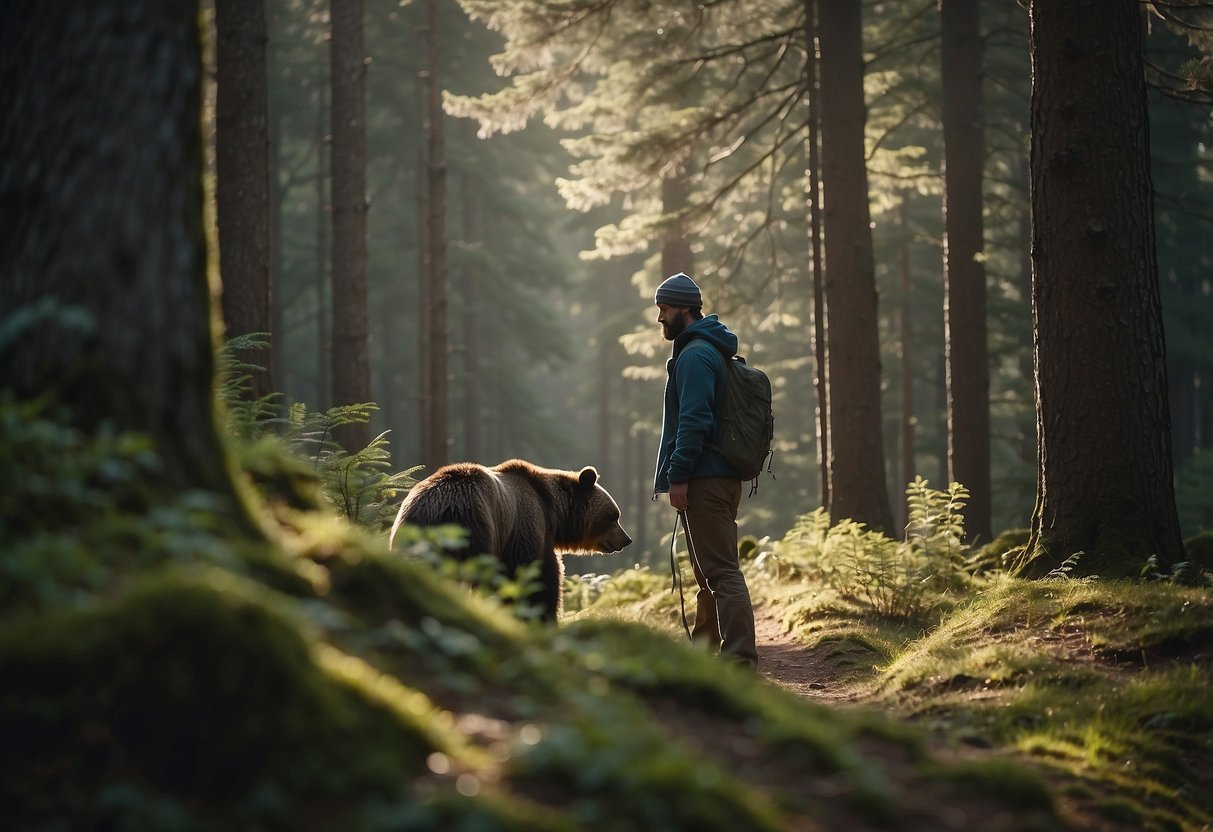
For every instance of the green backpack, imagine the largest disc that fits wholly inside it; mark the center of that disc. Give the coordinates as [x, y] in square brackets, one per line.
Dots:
[745, 419]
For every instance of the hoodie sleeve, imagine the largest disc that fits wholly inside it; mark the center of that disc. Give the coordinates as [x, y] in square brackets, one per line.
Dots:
[695, 377]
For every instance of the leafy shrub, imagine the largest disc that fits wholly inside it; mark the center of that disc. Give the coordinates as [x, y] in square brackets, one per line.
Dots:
[899, 579]
[75, 516]
[484, 575]
[635, 585]
[359, 485]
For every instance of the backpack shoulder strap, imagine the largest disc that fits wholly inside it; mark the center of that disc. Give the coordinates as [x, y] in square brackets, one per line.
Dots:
[702, 344]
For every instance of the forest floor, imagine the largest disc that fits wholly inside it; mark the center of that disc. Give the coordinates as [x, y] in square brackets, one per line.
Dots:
[805, 670]
[815, 673]
[819, 674]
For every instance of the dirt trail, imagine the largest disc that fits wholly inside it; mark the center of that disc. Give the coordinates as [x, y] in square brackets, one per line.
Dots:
[788, 663]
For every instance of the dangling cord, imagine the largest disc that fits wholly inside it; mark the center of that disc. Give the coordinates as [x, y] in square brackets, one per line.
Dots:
[676, 575]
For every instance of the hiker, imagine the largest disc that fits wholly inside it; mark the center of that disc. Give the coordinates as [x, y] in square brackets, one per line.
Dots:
[703, 487]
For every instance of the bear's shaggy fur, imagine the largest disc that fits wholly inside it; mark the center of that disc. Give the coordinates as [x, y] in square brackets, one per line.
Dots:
[521, 513]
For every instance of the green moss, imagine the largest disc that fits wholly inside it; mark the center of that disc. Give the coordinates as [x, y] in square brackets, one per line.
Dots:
[486, 811]
[380, 586]
[1002, 779]
[647, 663]
[198, 686]
[613, 779]
[1004, 666]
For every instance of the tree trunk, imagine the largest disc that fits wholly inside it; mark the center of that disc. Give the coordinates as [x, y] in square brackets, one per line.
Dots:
[280, 368]
[643, 492]
[1103, 424]
[439, 446]
[1204, 407]
[908, 467]
[968, 376]
[607, 372]
[242, 175]
[1025, 448]
[816, 260]
[103, 249]
[676, 248]
[351, 328]
[324, 363]
[1182, 394]
[425, 311]
[471, 328]
[857, 474]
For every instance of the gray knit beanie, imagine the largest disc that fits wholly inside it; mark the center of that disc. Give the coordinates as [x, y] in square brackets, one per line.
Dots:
[678, 290]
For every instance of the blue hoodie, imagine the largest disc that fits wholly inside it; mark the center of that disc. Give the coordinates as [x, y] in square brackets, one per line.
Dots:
[694, 381]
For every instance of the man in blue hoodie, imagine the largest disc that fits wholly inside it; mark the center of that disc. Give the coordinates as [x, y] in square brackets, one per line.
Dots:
[702, 486]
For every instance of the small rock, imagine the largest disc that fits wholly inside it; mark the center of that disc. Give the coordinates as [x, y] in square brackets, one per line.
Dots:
[816, 686]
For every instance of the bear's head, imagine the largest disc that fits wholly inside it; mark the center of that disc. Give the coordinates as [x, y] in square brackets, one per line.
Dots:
[593, 518]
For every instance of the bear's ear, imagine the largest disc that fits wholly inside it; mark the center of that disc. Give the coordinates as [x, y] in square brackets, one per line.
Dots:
[587, 477]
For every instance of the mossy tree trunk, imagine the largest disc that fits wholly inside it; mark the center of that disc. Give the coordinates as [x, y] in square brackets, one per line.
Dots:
[1104, 472]
[102, 253]
[857, 468]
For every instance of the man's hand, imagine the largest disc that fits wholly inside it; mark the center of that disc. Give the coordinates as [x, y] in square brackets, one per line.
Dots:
[678, 495]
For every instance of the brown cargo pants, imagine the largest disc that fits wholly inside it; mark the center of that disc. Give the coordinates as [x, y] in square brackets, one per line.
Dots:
[724, 617]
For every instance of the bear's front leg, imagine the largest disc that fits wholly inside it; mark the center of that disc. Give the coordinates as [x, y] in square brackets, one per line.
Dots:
[551, 587]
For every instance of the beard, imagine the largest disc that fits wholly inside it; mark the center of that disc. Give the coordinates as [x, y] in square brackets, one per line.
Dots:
[674, 328]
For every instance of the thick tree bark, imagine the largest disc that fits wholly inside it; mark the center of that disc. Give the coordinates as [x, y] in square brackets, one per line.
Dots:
[967, 352]
[351, 327]
[1103, 425]
[102, 250]
[242, 175]
[857, 468]
[438, 451]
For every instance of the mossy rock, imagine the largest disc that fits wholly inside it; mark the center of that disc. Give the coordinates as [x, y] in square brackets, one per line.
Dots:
[999, 552]
[198, 687]
[1200, 552]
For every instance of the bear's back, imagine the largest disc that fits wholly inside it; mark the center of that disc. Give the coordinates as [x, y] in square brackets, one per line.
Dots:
[500, 507]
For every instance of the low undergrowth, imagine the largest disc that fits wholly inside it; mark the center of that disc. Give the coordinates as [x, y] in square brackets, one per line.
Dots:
[1102, 685]
[1105, 682]
[165, 671]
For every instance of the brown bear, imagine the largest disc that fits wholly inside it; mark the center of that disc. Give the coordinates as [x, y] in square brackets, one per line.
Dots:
[521, 513]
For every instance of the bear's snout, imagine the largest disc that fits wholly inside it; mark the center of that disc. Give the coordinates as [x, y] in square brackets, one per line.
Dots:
[616, 539]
